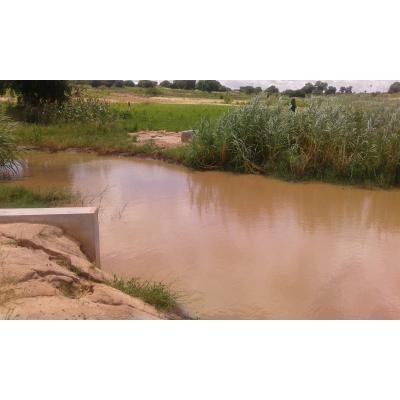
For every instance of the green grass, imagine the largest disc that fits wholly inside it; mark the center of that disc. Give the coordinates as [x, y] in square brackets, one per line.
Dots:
[158, 294]
[19, 197]
[171, 117]
[111, 137]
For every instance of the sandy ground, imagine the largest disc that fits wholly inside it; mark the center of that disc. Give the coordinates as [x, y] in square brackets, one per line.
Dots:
[117, 97]
[134, 99]
[161, 139]
[44, 275]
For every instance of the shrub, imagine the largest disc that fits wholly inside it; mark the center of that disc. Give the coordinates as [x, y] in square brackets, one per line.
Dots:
[151, 91]
[76, 109]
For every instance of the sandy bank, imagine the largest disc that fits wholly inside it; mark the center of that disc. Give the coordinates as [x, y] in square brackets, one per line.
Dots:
[45, 275]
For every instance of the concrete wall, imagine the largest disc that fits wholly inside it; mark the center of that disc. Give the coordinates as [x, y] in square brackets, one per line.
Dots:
[80, 223]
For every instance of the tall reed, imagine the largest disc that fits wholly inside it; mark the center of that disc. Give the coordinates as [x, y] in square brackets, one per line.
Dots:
[327, 139]
[8, 148]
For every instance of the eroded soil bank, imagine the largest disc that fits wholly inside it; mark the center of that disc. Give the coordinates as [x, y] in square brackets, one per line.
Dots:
[45, 275]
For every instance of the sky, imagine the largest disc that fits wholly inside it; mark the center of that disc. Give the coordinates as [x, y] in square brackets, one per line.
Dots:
[358, 86]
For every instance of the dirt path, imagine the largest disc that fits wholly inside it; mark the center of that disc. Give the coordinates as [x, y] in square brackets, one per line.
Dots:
[134, 99]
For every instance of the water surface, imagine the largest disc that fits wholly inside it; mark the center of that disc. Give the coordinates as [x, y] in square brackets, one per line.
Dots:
[240, 246]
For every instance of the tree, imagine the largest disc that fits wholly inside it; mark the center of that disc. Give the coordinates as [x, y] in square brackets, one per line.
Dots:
[319, 87]
[119, 84]
[330, 90]
[308, 88]
[294, 93]
[35, 93]
[129, 83]
[349, 90]
[147, 84]
[250, 89]
[3, 87]
[271, 89]
[209, 86]
[394, 87]
[96, 84]
[166, 84]
[342, 90]
[187, 85]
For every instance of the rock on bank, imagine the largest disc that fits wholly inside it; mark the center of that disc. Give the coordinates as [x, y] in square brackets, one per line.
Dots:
[45, 275]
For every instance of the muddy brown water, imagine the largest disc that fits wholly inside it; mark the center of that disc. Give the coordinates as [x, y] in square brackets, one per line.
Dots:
[239, 246]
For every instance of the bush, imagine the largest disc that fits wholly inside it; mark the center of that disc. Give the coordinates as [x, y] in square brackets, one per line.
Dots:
[76, 109]
[151, 92]
[327, 140]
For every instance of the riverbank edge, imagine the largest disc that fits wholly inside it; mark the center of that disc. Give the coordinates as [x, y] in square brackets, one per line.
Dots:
[46, 263]
[176, 156]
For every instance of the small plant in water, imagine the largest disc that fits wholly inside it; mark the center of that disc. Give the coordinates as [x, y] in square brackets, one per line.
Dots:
[157, 294]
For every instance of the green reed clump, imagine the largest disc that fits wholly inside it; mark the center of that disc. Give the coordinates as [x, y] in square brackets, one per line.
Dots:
[8, 148]
[328, 139]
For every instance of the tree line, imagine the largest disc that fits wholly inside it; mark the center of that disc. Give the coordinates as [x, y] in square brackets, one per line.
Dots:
[203, 85]
[317, 88]
[35, 93]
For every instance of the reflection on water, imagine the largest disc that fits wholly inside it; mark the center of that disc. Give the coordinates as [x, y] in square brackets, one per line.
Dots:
[241, 246]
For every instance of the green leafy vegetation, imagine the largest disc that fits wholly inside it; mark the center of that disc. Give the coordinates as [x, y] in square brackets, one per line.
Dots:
[327, 139]
[110, 136]
[157, 294]
[19, 197]
[37, 93]
[8, 147]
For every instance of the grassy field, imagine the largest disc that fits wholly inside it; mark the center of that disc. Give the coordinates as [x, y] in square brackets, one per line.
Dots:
[111, 136]
[118, 93]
